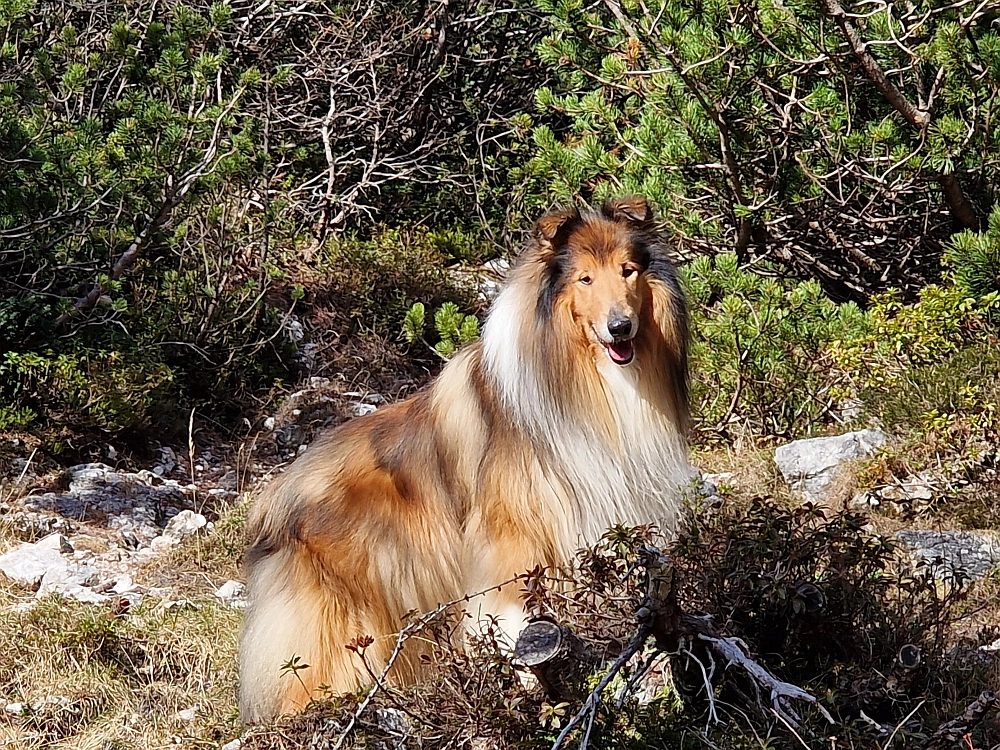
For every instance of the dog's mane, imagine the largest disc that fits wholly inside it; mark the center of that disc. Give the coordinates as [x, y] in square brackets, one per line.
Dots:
[524, 321]
[592, 424]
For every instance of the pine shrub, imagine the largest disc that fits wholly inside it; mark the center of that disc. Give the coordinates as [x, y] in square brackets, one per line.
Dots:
[759, 348]
[754, 127]
[973, 258]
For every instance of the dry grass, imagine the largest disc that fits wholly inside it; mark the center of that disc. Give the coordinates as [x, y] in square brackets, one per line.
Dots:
[93, 679]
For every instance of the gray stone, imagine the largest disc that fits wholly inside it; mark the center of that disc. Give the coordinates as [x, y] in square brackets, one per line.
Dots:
[810, 466]
[99, 494]
[951, 555]
[72, 574]
[167, 462]
[362, 409]
[72, 591]
[177, 604]
[124, 585]
[394, 723]
[289, 436]
[229, 480]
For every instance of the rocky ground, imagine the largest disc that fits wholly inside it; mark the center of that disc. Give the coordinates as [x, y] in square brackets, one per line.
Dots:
[156, 549]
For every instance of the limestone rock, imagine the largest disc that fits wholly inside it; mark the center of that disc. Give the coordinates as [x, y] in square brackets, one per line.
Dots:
[29, 563]
[97, 493]
[810, 466]
[57, 542]
[184, 524]
[71, 574]
[232, 594]
[361, 409]
[954, 554]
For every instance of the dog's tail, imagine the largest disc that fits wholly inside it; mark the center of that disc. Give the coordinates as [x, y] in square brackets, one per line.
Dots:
[307, 602]
[319, 577]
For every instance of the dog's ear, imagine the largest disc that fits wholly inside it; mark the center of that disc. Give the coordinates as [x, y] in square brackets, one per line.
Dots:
[630, 210]
[553, 228]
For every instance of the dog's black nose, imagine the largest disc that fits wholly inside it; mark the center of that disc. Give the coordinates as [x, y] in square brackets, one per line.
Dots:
[619, 327]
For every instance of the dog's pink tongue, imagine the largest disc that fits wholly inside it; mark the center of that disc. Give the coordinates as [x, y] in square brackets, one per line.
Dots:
[620, 351]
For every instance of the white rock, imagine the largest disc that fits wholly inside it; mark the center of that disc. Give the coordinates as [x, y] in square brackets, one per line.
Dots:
[124, 585]
[499, 266]
[717, 479]
[73, 574]
[29, 563]
[134, 598]
[233, 745]
[188, 714]
[269, 424]
[74, 581]
[184, 524]
[83, 477]
[810, 466]
[232, 594]
[14, 708]
[80, 593]
[160, 544]
[57, 542]
[361, 409]
[315, 382]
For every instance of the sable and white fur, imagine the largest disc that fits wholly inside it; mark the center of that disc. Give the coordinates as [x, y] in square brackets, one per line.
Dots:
[529, 445]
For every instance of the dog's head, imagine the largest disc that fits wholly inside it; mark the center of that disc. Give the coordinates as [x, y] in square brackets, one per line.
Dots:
[597, 267]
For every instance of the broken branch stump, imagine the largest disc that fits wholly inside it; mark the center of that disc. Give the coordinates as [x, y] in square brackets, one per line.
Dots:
[559, 660]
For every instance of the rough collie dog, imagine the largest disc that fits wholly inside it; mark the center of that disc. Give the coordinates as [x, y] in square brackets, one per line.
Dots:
[567, 417]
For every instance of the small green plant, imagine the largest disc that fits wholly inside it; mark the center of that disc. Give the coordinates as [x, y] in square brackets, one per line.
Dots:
[109, 390]
[902, 336]
[453, 327]
[414, 322]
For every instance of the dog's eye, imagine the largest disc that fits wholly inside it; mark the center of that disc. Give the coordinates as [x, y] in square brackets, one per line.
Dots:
[627, 271]
[585, 280]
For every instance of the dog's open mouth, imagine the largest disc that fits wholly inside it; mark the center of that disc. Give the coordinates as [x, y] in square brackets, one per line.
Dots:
[621, 352]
